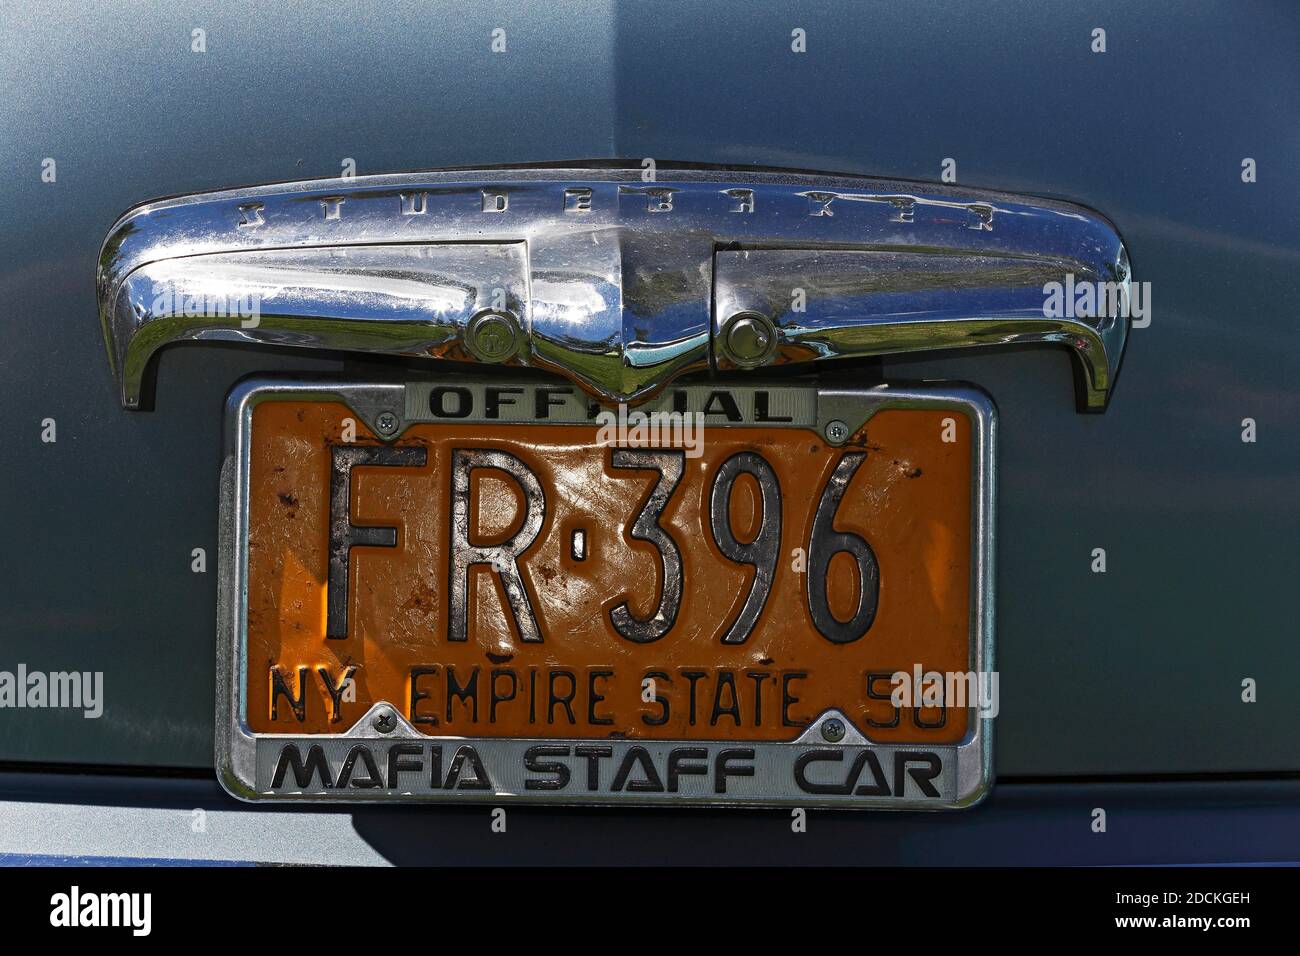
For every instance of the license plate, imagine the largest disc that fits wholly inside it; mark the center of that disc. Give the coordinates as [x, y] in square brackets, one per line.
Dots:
[499, 591]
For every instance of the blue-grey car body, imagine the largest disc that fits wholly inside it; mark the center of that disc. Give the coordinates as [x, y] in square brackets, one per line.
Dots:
[1135, 672]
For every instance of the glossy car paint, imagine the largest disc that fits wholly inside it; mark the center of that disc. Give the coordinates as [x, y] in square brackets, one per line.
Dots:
[1135, 671]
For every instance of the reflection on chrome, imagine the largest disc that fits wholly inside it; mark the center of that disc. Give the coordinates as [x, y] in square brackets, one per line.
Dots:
[617, 286]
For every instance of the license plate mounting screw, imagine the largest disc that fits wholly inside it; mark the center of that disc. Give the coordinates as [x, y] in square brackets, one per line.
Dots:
[836, 431]
[833, 730]
[384, 721]
[386, 423]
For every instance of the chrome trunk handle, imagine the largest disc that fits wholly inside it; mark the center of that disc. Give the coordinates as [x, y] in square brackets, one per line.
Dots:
[618, 284]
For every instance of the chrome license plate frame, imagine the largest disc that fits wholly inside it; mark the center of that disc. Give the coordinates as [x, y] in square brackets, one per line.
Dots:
[244, 759]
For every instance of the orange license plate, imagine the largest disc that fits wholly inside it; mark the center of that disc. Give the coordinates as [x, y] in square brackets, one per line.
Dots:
[495, 590]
